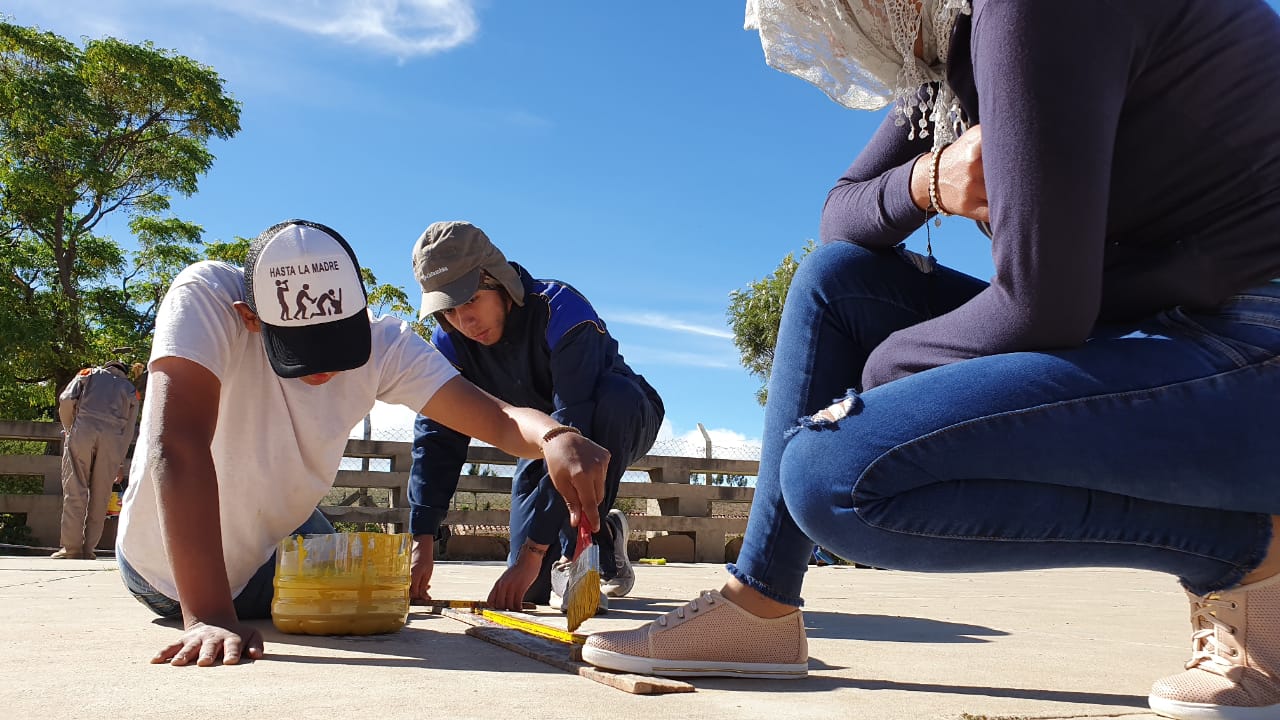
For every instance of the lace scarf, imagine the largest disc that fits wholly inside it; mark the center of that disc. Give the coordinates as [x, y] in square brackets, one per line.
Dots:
[862, 53]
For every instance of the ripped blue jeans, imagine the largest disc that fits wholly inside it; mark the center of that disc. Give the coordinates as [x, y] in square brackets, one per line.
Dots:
[1151, 446]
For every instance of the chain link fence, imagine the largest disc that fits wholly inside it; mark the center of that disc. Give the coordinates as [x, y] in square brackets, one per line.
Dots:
[678, 447]
[674, 447]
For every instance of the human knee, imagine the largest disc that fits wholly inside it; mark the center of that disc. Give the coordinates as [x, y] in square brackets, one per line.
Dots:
[817, 475]
[838, 268]
[619, 411]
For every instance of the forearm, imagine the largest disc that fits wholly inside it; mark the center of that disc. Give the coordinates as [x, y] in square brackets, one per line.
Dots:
[66, 414]
[438, 456]
[191, 528]
[876, 202]
[522, 433]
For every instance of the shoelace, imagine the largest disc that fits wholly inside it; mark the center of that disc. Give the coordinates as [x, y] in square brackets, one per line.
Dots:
[1213, 645]
[693, 607]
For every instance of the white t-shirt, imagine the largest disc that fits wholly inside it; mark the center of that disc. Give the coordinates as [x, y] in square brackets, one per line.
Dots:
[278, 441]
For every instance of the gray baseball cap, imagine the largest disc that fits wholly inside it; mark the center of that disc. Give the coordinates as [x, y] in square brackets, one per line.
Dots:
[447, 260]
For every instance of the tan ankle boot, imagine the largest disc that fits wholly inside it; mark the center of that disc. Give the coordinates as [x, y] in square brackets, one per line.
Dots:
[1234, 670]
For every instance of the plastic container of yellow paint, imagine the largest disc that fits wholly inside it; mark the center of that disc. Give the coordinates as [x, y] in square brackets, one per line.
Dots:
[342, 584]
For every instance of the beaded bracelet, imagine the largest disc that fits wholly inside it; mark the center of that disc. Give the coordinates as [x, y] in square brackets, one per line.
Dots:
[557, 431]
[935, 193]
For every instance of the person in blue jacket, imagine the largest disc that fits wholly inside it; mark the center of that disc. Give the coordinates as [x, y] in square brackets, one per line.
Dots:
[537, 343]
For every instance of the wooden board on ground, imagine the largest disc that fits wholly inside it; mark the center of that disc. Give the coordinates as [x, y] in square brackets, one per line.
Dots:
[563, 656]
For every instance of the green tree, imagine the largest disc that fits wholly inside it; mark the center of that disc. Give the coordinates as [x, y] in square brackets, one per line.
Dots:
[728, 480]
[86, 133]
[754, 315]
[393, 300]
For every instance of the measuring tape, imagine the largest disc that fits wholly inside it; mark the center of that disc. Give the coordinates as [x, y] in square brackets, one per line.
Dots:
[533, 627]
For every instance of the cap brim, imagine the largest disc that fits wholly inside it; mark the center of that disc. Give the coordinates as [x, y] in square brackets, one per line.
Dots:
[452, 295]
[310, 349]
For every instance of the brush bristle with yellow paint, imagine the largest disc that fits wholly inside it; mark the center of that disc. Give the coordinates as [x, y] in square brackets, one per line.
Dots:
[582, 594]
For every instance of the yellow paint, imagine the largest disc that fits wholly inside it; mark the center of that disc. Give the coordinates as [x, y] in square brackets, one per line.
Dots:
[584, 598]
[342, 584]
[533, 627]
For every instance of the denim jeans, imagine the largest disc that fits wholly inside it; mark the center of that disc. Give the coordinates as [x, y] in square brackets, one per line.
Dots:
[253, 602]
[1150, 446]
[625, 422]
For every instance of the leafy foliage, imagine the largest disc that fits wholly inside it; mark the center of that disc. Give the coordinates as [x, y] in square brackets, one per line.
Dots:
[727, 480]
[754, 315]
[393, 300]
[112, 128]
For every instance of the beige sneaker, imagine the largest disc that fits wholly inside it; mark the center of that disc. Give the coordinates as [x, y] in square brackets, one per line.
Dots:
[1234, 670]
[65, 554]
[708, 636]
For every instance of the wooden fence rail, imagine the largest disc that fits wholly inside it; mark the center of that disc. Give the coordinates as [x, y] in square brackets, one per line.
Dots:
[673, 505]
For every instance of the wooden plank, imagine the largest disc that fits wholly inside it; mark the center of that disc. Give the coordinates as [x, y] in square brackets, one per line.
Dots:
[371, 479]
[30, 503]
[557, 655]
[22, 430]
[478, 517]
[31, 465]
[493, 456]
[347, 513]
[648, 490]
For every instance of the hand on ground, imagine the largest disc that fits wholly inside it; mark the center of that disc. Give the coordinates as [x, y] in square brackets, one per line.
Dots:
[204, 644]
[423, 564]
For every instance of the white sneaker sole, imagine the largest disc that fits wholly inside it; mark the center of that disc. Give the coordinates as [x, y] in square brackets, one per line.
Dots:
[1203, 711]
[692, 668]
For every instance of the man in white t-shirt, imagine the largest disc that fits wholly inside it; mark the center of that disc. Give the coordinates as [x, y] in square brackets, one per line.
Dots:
[253, 389]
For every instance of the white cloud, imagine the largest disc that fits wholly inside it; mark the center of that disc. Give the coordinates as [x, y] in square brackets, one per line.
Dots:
[401, 28]
[404, 28]
[641, 355]
[667, 322]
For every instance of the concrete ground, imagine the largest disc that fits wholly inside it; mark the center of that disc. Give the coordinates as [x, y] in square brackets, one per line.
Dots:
[888, 645]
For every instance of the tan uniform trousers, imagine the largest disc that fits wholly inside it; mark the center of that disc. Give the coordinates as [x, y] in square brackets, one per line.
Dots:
[91, 457]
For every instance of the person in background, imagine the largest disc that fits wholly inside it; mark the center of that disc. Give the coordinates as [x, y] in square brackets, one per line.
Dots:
[1109, 398]
[98, 410]
[246, 419]
[537, 343]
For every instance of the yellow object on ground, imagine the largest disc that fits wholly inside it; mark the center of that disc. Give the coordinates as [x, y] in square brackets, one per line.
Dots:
[652, 561]
[533, 627]
[342, 584]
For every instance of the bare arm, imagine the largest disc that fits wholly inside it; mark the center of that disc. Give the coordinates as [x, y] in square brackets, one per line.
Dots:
[576, 465]
[186, 399]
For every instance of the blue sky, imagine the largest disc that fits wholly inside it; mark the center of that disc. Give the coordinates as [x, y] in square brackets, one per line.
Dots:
[642, 152]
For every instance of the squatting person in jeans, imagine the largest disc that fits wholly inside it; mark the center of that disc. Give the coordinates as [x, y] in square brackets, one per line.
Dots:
[537, 343]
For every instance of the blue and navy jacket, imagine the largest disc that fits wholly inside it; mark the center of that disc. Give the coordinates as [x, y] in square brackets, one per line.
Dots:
[553, 352]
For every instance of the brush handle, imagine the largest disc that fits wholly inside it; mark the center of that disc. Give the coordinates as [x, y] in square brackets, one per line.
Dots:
[584, 538]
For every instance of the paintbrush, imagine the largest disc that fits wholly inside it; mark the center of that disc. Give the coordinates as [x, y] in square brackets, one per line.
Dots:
[582, 594]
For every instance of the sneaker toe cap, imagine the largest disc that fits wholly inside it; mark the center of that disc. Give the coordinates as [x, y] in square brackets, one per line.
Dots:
[1199, 687]
[624, 642]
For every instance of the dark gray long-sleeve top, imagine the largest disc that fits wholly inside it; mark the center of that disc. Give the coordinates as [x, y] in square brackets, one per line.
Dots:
[1131, 150]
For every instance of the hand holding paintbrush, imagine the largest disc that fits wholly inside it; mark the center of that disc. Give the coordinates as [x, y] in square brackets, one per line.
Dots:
[577, 469]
